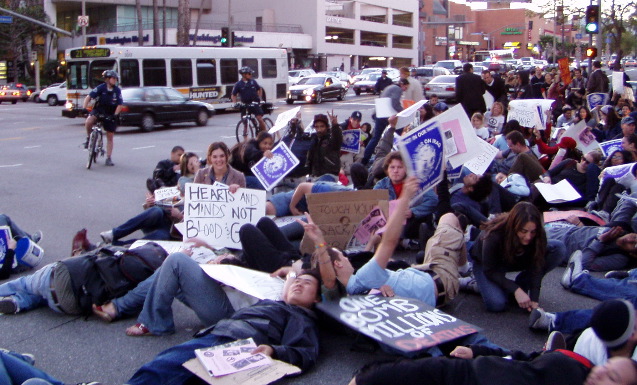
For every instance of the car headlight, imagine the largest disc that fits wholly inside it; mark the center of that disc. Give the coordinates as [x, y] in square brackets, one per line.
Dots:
[69, 105]
[308, 91]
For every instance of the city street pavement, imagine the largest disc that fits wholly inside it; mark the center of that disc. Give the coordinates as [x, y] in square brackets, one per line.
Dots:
[44, 185]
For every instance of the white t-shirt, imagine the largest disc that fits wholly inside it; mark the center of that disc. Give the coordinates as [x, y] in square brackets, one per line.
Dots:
[591, 347]
[494, 123]
[482, 132]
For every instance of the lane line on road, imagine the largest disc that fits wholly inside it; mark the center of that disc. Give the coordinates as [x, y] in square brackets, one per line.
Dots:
[10, 165]
[38, 146]
[142, 148]
[14, 138]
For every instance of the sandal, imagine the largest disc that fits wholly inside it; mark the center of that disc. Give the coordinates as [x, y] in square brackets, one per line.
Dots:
[104, 314]
[138, 330]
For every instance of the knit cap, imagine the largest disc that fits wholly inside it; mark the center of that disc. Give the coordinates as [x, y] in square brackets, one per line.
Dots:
[613, 322]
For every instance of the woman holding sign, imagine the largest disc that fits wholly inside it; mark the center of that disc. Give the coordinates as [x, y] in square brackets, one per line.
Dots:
[514, 241]
[219, 170]
[247, 154]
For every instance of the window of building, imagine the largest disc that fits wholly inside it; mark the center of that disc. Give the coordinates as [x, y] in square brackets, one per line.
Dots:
[154, 72]
[268, 68]
[206, 72]
[252, 63]
[130, 73]
[181, 70]
[229, 71]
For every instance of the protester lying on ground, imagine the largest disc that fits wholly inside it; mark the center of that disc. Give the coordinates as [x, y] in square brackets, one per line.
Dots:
[601, 248]
[582, 175]
[19, 369]
[606, 199]
[189, 165]
[16, 232]
[284, 330]
[72, 285]
[514, 241]
[556, 367]
[166, 173]
[293, 202]
[606, 331]
[219, 170]
[245, 155]
[420, 210]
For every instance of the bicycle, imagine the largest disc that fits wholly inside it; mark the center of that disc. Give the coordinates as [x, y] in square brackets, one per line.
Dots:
[248, 125]
[96, 141]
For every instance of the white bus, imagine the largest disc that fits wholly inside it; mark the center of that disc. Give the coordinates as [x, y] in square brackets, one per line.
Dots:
[200, 73]
[497, 54]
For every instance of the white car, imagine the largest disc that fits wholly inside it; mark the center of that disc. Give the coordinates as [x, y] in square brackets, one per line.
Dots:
[54, 95]
[295, 75]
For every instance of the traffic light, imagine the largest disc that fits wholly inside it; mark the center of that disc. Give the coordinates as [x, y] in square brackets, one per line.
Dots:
[591, 52]
[592, 19]
[232, 37]
[225, 32]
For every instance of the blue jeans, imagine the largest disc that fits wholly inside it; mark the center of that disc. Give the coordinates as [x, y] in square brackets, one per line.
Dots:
[625, 214]
[167, 369]
[281, 202]
[253, 182]
[132, 302]
[379, 127]
[153, 222]
[605, 288]
[16, 369]
[31, 291]
[571, 321]
[181, 277]
[16, 232]
[494, 296]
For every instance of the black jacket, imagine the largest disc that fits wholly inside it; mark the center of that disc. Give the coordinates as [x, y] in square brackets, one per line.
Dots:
[324, 156]
[469, 90]
[497, 90]
[381, 83]
[165, 172]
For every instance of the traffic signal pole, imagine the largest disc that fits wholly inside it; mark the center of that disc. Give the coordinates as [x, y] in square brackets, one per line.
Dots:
[590, 44]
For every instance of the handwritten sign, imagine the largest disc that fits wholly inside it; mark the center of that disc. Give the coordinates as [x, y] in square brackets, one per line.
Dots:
[166, 193]
[596, 99]
[423, 154]
[481, 163]
[525, 112]
[270, 171]
[405, 324]
[214, 214]
[351, 141]
[611, 146]
[283, 119]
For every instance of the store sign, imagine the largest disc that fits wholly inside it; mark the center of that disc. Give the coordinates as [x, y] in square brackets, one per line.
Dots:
[441, 40]
[512, 44]
[462, 42]
[511, 31]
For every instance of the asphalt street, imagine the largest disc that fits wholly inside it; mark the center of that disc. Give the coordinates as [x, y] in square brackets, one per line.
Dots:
[44, 185]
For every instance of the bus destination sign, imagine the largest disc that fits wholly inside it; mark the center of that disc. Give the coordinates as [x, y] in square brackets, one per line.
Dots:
[90, 52]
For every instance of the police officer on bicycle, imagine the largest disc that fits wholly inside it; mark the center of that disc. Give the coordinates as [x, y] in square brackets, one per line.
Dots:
[250, 91]
[108, 97]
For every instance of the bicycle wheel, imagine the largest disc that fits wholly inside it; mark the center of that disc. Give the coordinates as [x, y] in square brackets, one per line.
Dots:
[246, 129]
[92, 151]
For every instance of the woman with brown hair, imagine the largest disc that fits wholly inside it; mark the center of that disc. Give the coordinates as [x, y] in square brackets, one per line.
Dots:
[219, 170]
[514, 241]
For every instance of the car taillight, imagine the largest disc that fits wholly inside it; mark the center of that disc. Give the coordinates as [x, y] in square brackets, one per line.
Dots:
[125, 109]
[427, 88]
[450, 89]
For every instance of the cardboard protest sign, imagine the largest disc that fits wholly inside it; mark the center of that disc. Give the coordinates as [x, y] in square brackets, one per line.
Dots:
[338, 213]
[166, 193]
[554, 216]
[270, 171]
[583, 136]
[384, 108]
[481, 163]
[423, 154]
[283, 119]
[618, 82]
[405, 324]
[453, 173]
[526, 113]
[611, 146]
[262, 375]
[351, 141]
[255, 283]
[596, 99]
[565, 71]
[213, 214]
[374, 221]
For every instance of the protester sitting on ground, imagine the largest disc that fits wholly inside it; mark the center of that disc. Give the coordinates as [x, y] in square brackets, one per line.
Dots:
[566, 143]
[440, 107]
[628, 127]
[514, 241]
[155, 222]
[477, 121]
[293, 202]
[245, 155]
[584, 114]
[606, 199]
[166, 173]
[556, 367]
[324, 156]
[219, 170]
[576, 98]
[501, 141]
[284, 330]
[582, 175]
[419, 211]
[610, 124]
[566, 118]
[354, 123]
[495, 119]
[189, 165]
[9, 262]
[16, 232]
[479, 197]
[629, 143]
[518, 159]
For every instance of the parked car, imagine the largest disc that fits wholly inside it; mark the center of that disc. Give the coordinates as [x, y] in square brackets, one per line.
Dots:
[13, 92]
[367, 84]
[295, 75]
[364, 72]
[444, 86]
[147, 107]
[315, 88]
[426, 73]
[498, 66]
[340, 75]
[630, 63]
[454, 66]
[54, 94]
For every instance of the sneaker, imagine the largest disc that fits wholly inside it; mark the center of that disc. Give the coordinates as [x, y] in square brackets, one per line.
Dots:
[37, 236]
[28, 357]
[469, 284]
[540, 319]
[573, 269]
[107, 236]
[85, 144]
[109, 162]
[616, 274]
[8, 305]
[555, 341]
[602, 214]
[466, 270]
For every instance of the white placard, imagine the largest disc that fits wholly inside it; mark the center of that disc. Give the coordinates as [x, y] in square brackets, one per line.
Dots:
[166, 193]
[583, 136]
[618, 82]
[252, 282]
[406, 116]
[214, 214]
[480, 163]
[526, 113]
[384, 108]
[558, 193]
[464, 135]
[283, 119]
[488, 99]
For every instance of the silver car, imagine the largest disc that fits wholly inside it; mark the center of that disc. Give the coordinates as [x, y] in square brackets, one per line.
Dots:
[444, 86]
